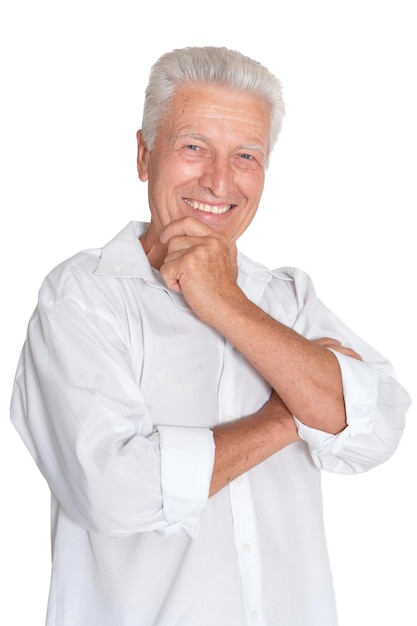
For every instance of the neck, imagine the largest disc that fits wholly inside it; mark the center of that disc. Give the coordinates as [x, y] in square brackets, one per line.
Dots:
[154, 249]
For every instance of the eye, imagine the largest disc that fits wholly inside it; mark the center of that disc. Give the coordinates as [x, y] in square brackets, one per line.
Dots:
[191, 151]
[247, 161]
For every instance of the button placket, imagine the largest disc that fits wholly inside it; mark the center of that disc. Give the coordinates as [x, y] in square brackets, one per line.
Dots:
[247, 544]
[244, 519]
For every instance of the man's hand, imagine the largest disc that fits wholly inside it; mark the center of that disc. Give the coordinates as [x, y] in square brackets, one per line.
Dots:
[201, 263]
[276, 410]
[329, 342]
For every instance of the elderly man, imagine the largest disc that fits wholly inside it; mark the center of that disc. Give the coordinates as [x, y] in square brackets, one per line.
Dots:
[181, 399]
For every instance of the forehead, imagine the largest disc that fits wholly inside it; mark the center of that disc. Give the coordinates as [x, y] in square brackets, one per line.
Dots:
[216, 107]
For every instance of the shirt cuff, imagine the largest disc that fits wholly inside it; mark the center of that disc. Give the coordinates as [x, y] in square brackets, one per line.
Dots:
[187, 459]
[360, 388]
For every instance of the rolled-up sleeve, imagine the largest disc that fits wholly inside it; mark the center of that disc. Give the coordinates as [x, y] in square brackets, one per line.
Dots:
[78, 406]
[187, 458]
[375, 410]
[375, 402]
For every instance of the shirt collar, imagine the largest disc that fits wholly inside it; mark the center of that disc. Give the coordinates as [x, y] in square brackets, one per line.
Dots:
[124, 257]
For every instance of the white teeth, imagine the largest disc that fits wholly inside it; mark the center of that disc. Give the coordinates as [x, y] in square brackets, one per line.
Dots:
[208, 208]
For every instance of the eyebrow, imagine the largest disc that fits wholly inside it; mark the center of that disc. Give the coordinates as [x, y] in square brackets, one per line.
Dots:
[194, 136]
[248, 146]
[243, 146]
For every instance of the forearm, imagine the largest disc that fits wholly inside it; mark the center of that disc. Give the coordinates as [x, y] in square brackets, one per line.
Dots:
[306, 375]
[202, 264]
[244, 443]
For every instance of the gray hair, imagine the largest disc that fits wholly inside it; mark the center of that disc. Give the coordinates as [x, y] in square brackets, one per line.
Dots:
[217, 65]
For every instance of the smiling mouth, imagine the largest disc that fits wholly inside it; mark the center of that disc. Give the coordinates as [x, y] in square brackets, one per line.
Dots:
[218, 209]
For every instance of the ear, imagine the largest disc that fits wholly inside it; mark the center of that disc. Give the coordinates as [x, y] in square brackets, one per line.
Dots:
[143, 157]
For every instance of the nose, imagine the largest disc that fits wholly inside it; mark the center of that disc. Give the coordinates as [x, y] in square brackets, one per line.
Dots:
[217, 176]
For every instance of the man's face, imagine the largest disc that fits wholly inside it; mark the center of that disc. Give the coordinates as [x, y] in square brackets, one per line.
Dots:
[208, 160]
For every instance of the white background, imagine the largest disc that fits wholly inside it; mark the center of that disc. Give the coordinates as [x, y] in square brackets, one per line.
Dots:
[339, 203]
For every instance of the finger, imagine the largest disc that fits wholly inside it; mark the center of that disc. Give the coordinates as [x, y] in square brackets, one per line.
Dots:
[171, 275]
[327, 341]
[183, 260]
[185, 226]
[335, 344]
[348, 352]
[179, 243]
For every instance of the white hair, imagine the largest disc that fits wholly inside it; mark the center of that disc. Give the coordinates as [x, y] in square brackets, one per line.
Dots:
[210, 64]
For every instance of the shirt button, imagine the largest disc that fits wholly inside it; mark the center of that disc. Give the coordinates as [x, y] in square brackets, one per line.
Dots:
[239, 480]
[255, 615]
[247, 547]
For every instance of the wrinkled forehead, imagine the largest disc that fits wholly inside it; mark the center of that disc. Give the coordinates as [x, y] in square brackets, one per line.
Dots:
[194, 105]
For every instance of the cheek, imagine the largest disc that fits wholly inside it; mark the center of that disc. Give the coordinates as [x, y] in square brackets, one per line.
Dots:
[252, 188]
[186, 171]
[175, 176]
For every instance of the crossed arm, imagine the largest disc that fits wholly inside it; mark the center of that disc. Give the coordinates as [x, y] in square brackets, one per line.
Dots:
[304, 375]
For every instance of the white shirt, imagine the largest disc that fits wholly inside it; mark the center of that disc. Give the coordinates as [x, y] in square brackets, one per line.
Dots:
[116, 391]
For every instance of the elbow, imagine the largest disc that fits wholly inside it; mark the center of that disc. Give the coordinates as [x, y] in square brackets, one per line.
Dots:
[111, 520]
[360, 453]
[107, 509]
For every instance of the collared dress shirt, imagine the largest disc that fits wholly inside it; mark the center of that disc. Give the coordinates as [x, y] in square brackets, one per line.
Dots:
[117, 389]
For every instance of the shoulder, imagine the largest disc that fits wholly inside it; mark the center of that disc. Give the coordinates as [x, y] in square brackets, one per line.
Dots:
[286, 277]
[282, 292]
[72, 276]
